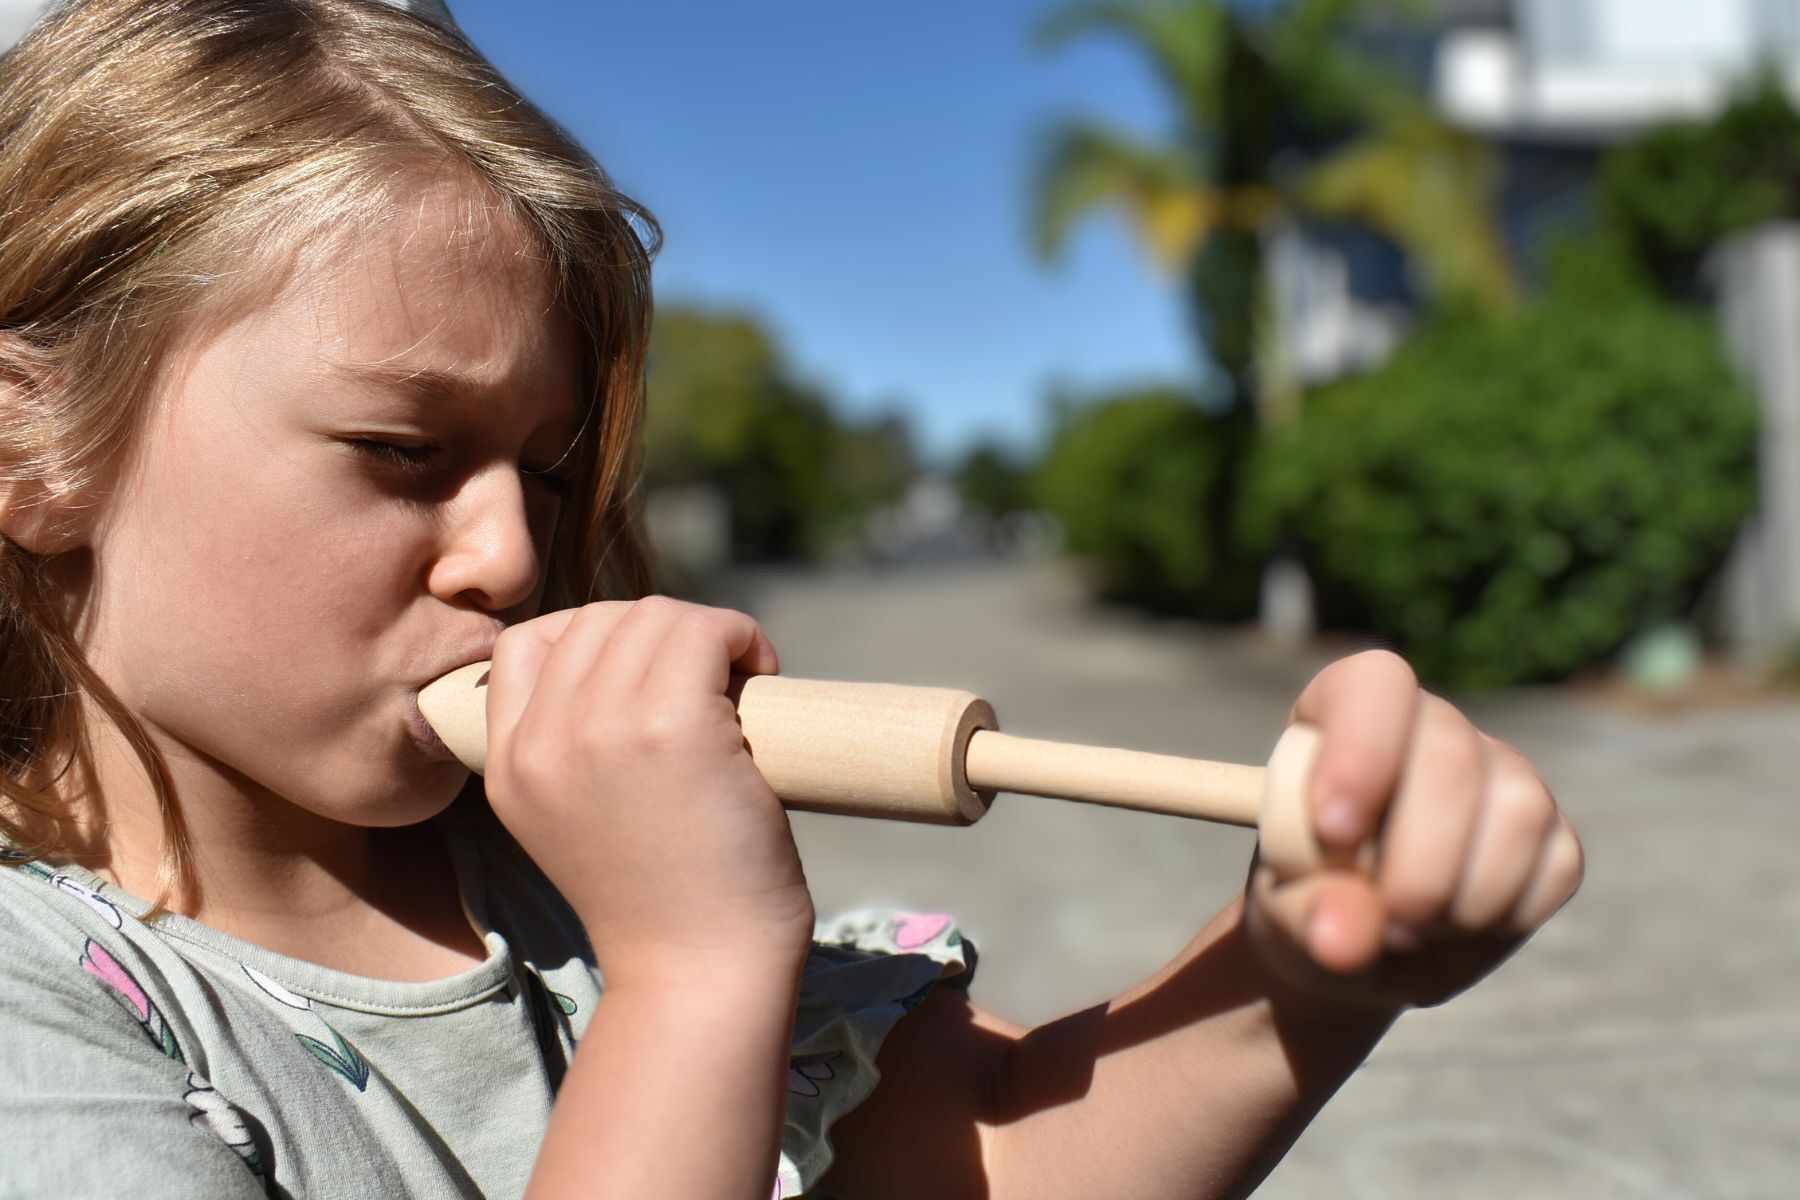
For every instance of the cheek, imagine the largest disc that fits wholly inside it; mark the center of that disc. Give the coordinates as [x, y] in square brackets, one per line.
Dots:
[254, 583]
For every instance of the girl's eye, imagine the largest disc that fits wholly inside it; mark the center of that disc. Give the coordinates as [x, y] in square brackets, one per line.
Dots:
[414, 460]
[417, 460]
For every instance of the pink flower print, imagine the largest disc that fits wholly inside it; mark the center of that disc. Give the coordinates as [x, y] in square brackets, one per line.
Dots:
[96, 961]
[913, 930]
[104, 967]
[805, 1072]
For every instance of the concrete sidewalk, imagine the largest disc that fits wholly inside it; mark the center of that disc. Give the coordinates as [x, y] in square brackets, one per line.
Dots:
[1645, 1045]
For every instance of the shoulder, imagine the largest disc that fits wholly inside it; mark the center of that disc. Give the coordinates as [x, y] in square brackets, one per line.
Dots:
[99, 1086]
[73, 960]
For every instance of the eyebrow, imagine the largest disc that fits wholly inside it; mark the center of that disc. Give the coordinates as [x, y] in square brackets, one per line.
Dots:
[419, 384]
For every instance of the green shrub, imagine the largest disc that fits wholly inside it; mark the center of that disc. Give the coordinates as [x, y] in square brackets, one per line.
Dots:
[1511, 500]
[1674, 192]
[1143, 485]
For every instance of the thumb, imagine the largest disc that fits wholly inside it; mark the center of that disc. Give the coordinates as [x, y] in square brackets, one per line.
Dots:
[1329, 919]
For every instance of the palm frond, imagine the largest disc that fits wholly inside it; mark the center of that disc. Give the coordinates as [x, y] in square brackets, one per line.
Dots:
[1159, 189]
[1429, 187]
[1186, 41]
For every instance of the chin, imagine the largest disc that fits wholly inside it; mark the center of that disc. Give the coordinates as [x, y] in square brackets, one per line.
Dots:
[418, 796]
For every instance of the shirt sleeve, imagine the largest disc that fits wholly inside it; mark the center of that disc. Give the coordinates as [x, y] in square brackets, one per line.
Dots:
[98, 1098]
[866, 970]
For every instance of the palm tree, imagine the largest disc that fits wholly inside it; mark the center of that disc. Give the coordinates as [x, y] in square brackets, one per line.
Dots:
[1277, 119]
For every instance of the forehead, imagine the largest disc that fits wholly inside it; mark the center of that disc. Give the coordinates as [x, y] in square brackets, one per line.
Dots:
[442, 273]
[435, 294]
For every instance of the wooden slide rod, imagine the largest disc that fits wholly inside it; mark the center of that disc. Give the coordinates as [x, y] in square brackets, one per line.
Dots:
[1160, 783]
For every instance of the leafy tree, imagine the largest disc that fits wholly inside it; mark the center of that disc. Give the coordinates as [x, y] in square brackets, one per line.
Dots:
[993, 481]
[1133, 478]
[724, 408]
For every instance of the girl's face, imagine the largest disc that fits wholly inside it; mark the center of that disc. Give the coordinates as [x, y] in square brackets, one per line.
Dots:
[269, 591]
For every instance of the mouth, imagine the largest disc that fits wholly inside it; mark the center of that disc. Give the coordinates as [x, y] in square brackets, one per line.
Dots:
[423, 735]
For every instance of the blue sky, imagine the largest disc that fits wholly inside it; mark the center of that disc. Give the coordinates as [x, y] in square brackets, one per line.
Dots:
[858, 174]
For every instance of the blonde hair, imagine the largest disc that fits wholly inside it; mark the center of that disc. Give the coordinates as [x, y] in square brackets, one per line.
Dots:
[147, 144]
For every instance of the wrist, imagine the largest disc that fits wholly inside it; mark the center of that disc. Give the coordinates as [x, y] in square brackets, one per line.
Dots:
[703, 972]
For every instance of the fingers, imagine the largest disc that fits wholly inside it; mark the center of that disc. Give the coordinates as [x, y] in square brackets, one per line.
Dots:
[1432, 820]
[1364, 707]
[1516, 821]
[669, 647]
[690, 660]
[1559, 874]
[518, 660]
[1465, 852]
[657, 645]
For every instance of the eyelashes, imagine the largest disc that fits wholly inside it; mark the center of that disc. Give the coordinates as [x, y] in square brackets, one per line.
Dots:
[419, 461]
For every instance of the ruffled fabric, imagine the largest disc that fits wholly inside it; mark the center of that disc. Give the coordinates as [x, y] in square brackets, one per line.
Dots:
[866, 970]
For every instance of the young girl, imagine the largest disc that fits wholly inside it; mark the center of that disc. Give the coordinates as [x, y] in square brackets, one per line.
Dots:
[320, 375]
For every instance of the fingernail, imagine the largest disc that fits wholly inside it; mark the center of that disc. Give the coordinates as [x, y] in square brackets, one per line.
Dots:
[1400, 937]
[1340, 820]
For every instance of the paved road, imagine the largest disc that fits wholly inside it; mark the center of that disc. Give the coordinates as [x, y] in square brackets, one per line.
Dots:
[1645, 1046]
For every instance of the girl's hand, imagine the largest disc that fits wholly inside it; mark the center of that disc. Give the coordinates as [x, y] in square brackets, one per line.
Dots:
[1469, 852]
[616, 760]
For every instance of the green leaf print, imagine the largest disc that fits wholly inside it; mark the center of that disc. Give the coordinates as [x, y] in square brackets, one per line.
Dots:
[344, 1059]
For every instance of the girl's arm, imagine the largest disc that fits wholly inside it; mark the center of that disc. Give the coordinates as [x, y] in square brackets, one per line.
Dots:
[1194, 1083]
[675, 1087]
[616, 761]
[1197, 1082]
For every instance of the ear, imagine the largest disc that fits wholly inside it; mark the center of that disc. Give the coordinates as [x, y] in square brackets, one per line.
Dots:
[41, 515]
[38, 518]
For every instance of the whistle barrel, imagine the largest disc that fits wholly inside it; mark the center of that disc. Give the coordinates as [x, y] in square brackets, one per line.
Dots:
[936, 755]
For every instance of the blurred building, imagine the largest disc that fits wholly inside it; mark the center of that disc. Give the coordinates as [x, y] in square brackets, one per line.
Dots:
[1553, 83]
[1591, 71]
[1550, 84]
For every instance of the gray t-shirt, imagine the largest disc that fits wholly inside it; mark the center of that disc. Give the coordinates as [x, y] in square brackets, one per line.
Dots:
[173, 1060]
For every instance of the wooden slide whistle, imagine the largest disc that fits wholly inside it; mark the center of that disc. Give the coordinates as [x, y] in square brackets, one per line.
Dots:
[936, 755]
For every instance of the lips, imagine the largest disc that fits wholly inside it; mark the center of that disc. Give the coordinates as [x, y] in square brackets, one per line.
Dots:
[423, 734]
[483, 654]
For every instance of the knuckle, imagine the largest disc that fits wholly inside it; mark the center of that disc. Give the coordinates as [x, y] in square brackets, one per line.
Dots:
[596, 610]
[659, 605]
[523, 767]
[1576, 870]
[1521, 803]
[1447, 743]
[1387, 660]
[508, 642]
[1502, 749]
[658, 731]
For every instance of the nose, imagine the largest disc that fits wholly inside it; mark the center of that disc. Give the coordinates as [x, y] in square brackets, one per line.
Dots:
[496, 540]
